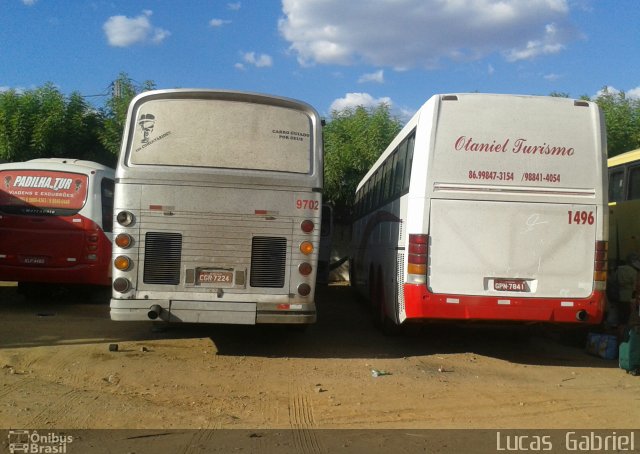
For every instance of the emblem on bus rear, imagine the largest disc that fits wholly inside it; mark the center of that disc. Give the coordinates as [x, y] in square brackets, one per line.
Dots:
[146, 122]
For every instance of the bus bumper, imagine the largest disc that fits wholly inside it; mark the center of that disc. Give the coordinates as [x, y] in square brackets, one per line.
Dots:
[89, 274]
[240, 313]
[422, 304]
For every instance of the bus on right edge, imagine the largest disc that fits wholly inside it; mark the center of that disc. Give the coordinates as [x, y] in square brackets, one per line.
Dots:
[487, 207]
[624, 206]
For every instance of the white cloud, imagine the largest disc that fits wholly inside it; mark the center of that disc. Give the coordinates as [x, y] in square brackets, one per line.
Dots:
[259, 61]
[422, 33]
[377, 77]
[124, 31]
[353, 100]
[29, 2]
[218, 22]
[239, 66]
[548, 44]
[552, 77]
[491, 70]
[634, 93]
[234, 6]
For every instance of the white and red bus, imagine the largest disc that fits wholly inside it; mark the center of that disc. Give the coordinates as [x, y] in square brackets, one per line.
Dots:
[217, 209]
[56, 217]
[487, 207]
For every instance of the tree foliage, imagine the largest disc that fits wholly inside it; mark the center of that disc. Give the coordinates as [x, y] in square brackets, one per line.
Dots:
[353, 141]
[43, 123]
[622, 118]
[115, 111]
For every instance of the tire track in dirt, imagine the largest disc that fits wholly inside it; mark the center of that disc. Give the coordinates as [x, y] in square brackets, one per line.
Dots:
[61, 412]
[302, 422]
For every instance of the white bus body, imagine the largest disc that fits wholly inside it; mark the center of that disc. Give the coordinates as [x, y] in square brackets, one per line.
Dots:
[487, 207]
[217, 209]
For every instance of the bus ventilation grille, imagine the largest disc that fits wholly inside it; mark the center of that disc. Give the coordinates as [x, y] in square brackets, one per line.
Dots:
[162, 258]
[268, 261]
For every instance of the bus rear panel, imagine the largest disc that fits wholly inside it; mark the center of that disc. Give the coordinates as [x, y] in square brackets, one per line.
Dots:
[219, 210]
[55, 222]
[505, 217]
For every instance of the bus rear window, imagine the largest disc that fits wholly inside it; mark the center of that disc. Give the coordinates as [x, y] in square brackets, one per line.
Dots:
[222, 134]
[42, 192]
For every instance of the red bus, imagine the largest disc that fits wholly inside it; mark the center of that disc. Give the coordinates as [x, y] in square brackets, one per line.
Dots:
[55, 223]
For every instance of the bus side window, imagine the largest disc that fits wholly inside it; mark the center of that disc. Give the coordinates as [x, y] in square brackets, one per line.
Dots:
[376, 190]
[367, 196]
[411, 140]
[616, 186]
[634, 183]
[393, 160]
[387, 174]
[106, 191]
[399, 170]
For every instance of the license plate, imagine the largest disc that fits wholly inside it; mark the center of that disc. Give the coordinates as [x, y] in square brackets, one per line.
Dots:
[510, 285]
[215, 277]
[32, 260]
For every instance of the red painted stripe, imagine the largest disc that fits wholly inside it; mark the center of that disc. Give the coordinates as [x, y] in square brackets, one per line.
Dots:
[422, 304]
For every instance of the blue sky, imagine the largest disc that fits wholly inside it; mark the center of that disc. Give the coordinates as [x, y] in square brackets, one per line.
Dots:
[329, 53]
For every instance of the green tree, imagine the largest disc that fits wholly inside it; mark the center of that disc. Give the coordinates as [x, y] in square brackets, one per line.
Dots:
[114, 114]
[622, 118]
[43, 123]
[354, 138]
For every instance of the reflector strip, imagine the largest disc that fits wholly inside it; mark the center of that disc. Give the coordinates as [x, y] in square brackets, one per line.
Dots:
[504, 302]
[566, 303]
[453, 301]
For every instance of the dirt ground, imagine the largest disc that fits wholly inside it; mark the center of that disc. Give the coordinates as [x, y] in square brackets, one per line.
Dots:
[56, 371]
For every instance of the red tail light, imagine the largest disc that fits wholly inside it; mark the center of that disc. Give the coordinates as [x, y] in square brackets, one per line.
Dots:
[600, 261]
[417, 259]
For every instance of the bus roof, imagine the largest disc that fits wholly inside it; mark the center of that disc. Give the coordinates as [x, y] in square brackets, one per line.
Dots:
[624, 158]
[56, 164]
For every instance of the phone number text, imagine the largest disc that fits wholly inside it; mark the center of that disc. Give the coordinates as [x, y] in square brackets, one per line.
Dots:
[490, 175]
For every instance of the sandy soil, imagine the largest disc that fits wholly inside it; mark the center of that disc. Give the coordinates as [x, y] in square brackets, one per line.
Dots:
[56, 371]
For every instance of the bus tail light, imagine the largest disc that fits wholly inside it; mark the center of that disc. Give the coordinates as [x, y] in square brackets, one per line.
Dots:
[305, 268]
[306, 247]
[417, 259]
[125, 218]
[122, 263]
[307, 226]
[123, 240]
[121, 285]
[600, 265]
[304, 289]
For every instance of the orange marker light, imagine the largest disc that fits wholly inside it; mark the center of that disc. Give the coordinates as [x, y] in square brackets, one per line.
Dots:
[306, 247]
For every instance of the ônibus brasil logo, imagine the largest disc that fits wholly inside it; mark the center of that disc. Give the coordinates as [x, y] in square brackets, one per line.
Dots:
[27, 441]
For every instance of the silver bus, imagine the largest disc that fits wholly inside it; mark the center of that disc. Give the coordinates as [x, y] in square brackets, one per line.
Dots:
[217, 209]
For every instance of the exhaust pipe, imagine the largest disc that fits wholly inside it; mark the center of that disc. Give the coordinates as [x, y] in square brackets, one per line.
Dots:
[582, 316]
[154, 312]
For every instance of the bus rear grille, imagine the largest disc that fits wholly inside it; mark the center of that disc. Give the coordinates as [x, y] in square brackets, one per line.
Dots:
[268, 261]
[162, 258]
